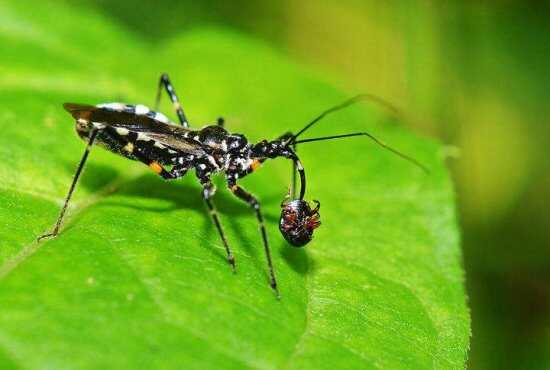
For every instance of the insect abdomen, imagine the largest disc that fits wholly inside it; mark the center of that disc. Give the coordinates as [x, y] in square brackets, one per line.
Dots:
[124, 142]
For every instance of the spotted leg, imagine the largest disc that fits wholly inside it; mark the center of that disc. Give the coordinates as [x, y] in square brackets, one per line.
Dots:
[55, 231]
[208, 190]
[165, 81]
[253, 202]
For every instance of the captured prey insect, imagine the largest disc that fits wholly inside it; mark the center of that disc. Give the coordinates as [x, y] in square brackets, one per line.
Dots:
[171, 150]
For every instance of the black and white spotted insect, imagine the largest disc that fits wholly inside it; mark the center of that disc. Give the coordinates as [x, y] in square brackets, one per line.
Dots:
[171, 150]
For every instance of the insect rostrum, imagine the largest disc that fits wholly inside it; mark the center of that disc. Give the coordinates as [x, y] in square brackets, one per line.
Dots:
[171, 150]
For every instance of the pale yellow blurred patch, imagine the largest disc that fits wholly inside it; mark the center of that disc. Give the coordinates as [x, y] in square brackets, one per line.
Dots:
[496, 157]
[354, 39]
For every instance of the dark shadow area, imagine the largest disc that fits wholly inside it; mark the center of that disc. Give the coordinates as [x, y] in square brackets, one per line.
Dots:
[182, 194]
[297, 258]
[252, 247]
[95, 177]
[185, 195]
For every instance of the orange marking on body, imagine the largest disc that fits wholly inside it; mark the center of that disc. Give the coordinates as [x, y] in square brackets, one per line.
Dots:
[255, 164]
[234, 188]
[155, 167]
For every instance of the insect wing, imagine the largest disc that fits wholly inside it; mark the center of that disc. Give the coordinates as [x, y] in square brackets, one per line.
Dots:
[179, 139]
[79, 111]
[145, 126]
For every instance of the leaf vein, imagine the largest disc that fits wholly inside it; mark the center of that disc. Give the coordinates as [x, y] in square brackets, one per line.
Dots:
[31, 248]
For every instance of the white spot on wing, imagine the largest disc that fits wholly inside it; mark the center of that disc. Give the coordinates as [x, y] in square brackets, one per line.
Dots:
[141, 136]
[112, 106]
[122, 131]
[161, 117]
[159, 145]
[141, 109]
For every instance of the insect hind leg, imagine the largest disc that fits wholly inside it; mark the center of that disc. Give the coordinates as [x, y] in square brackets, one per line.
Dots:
[253, 202]
[164, 81]
[55, 231]
[207, 192]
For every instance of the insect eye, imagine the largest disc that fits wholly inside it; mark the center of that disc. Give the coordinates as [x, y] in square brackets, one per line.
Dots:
[298, 221]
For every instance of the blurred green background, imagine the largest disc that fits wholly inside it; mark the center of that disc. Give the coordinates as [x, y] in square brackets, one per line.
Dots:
[475, 75]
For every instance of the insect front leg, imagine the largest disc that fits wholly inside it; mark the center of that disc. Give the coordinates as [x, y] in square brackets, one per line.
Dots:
[55, 231]
[292, 193]
[294, 170]
[208, 190]
[165, 81]
[253, 202]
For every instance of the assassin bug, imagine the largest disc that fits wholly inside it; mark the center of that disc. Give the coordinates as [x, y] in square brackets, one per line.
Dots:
[141, 134]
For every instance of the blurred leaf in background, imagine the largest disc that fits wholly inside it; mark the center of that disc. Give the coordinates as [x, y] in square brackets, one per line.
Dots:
[138, 279]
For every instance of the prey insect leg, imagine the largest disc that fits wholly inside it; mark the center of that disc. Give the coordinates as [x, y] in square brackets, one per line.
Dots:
[91, 139]
[253, 202]
[165, 81]
[207, 192]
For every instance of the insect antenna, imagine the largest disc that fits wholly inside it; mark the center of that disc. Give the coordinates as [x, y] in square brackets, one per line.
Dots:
[373, 138]
[361, 97]
[347, 103]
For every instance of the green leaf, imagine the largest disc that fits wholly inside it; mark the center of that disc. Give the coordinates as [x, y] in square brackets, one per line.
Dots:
[138, 277]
